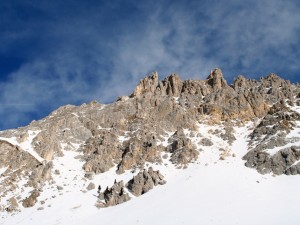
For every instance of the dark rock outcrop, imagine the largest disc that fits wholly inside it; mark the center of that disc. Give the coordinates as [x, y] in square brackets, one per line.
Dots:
[144, 181]
[113, 196]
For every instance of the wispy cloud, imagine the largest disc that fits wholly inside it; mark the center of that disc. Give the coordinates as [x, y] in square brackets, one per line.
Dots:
[75, 52]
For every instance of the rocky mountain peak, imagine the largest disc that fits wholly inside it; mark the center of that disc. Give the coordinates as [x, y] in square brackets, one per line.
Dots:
[148, 84]
[239, 82]
[275, 81]
[169, 122]
[216, 79]
[151, 86]
[171, 85]
[273, 76]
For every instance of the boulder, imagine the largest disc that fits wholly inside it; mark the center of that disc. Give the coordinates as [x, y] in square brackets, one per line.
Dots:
[90, 186]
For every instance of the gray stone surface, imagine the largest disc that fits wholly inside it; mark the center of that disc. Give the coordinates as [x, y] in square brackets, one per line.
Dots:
[113, 196]
[90, 186]
[144, 181]
[181, 148]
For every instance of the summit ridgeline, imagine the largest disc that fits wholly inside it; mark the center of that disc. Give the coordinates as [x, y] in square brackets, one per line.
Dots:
[244, 100]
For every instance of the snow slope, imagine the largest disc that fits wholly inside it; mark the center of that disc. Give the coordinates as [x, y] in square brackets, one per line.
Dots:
[209, 191]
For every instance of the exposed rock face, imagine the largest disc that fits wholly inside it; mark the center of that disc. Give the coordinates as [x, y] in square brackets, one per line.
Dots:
[272, 133]
[171, 86]
[182, 149]
[19, 163]
[144, 181]
[101, 152]
[137, 152]
[147, 85]
[15, 158]
[281, 162]
[216, 80]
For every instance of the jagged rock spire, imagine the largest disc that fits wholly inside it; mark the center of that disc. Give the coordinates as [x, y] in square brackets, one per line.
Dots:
[239, 82]
[172, 85]
[216, 79]
[148, 84]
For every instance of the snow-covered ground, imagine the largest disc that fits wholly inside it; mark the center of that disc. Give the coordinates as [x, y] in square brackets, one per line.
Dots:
[209, 191]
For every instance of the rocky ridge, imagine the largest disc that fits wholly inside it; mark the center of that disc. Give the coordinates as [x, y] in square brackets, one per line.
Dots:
[159, 121]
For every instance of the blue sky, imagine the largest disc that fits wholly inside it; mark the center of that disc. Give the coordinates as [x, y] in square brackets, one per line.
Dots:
[70, 52]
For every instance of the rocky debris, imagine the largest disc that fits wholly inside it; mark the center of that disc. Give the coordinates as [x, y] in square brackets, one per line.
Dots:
[90, 186]
[144, 181]
[225, 153]
[228, 135]
[31, 200]
[13, 205]
[206, 142]
[59, 188]
[182, 149]
[113, 196]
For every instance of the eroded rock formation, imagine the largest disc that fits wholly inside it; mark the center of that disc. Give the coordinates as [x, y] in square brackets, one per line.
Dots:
[113, 196]
[144, 181]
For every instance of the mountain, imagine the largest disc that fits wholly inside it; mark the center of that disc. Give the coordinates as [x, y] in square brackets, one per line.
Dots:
[173, 152]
